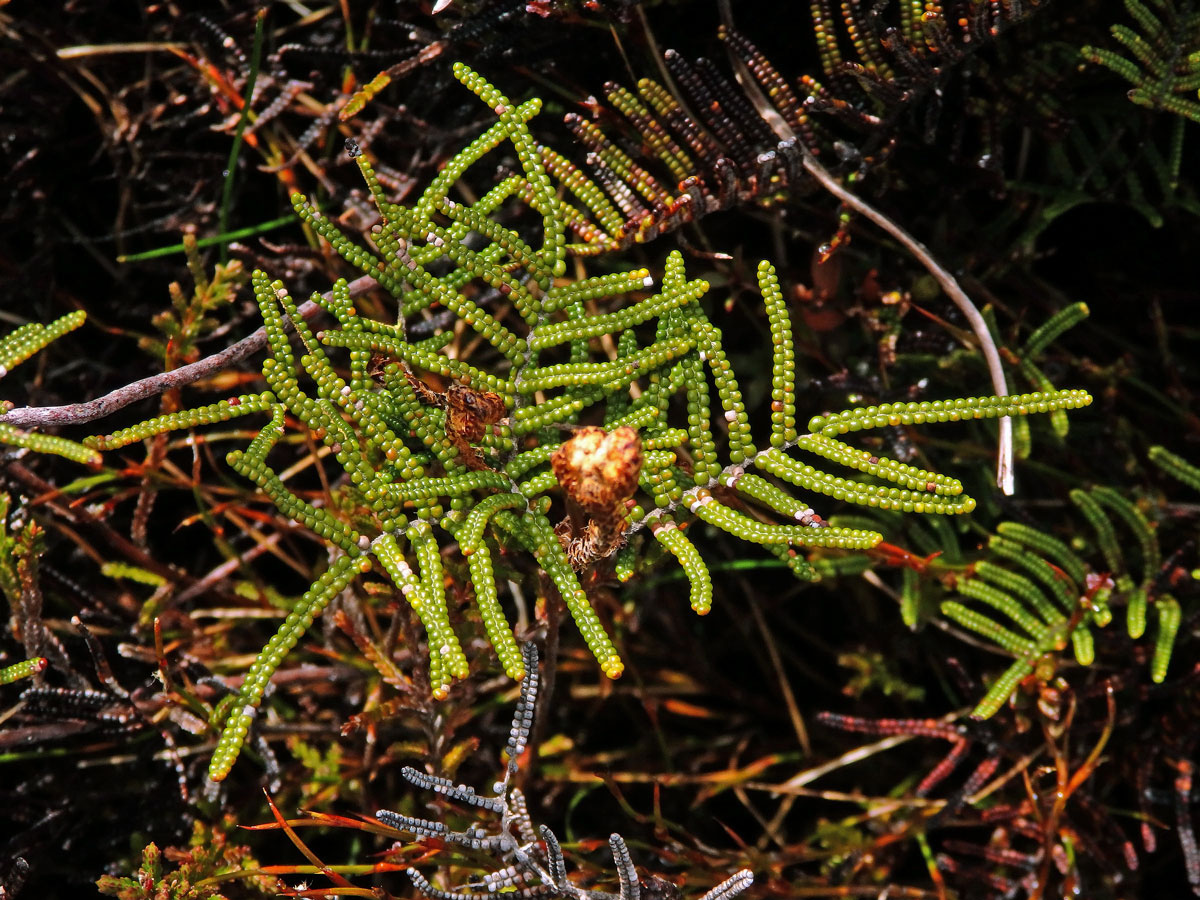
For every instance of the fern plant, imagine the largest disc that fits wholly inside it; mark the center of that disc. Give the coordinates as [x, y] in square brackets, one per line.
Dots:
[634, 441]
[713, 143]
[16, 347]
[1165, 49]
[1176, 466]
[1032, 594]
[1102, 158]
[19, 551]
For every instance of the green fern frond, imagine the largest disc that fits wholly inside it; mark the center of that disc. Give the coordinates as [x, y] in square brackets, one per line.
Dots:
[1046, 595]
[478, 464]
[1176, 466]
[24, 669]
[16, 347]
[1102, 158]
[1161, 57]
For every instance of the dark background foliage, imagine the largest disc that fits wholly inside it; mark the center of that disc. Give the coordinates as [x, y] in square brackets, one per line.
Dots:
[116, 122]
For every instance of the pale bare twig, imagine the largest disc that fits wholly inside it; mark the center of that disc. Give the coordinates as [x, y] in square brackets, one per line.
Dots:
[130, 47]
[991, 355]
[79, 413]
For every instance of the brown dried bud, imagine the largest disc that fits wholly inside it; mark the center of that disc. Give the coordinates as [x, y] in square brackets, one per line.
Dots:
[599, 469]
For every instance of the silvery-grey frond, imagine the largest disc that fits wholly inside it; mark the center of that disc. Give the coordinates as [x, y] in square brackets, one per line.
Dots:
[445, 786]
[522, 723]
[731, 886]
[518, 811]
[554, 857]
[626, 873]
[412, 824]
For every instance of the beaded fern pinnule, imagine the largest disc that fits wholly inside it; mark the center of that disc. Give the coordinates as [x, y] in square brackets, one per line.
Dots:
[476, 467]
[16, 347]
[24, 669]
[1165, 49]
[1032, 595]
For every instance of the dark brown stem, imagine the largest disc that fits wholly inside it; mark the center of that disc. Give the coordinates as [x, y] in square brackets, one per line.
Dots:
[554, 610]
